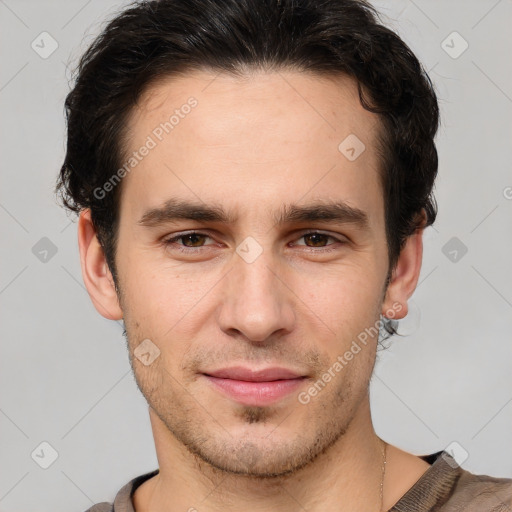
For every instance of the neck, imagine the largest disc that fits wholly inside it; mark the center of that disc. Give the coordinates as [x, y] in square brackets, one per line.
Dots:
[346, 477]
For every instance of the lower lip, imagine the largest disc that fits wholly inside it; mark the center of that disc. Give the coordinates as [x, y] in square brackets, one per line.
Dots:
[256, 393]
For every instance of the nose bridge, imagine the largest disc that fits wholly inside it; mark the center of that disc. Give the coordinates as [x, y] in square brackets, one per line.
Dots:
[254, 274]
[256, 302]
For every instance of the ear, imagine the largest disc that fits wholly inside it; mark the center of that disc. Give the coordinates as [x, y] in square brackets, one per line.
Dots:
[95, 272]
[404, 277]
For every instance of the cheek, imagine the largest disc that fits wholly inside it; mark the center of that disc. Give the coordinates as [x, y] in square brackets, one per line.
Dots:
[167, 301]
[347, 297]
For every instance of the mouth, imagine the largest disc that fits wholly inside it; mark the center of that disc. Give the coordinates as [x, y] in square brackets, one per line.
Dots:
[255, 387]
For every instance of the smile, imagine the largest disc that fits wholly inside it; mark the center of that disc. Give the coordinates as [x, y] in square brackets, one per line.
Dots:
[256, 388]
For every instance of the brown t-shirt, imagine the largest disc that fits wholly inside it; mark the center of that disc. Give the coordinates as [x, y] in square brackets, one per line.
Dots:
[444, 487]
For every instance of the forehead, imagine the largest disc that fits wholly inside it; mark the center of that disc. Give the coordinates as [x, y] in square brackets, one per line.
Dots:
[329, 103]
[267, 136]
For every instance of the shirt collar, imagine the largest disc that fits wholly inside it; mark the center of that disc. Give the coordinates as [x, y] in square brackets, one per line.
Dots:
[431, 487]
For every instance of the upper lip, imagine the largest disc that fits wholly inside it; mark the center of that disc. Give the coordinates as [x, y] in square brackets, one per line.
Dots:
[251, 375]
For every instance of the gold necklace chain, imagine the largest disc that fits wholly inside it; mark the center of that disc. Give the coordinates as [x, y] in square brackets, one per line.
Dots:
[384, 450]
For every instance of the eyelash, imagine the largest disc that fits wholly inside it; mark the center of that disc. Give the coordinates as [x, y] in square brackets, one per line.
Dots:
[169, 241]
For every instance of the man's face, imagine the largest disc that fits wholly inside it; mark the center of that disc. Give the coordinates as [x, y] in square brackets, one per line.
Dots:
[253, 292]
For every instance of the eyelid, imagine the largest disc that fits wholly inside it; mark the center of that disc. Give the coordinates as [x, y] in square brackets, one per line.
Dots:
[337, 238]
[298, 235]
[167, 240]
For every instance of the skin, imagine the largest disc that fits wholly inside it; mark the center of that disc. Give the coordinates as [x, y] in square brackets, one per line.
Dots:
[252, 145]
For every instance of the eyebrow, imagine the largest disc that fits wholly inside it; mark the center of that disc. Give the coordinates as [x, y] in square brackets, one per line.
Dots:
[320, 211]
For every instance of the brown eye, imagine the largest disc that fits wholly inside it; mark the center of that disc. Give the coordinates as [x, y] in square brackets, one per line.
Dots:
[192, 240]
[195, 239]
[316, 239]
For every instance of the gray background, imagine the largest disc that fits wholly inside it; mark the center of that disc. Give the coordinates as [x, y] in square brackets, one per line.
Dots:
[64, 370]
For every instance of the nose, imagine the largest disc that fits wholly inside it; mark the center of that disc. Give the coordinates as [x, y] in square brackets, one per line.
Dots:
[257, 302]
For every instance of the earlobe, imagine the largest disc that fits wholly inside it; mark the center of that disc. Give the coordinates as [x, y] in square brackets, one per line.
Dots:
[404, 277]
[95, 272]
